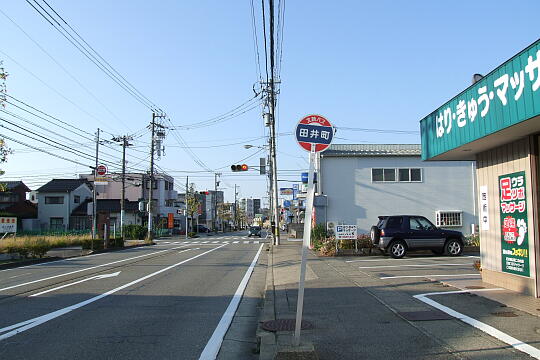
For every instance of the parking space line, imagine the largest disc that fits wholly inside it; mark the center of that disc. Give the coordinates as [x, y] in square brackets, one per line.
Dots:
[490, 330]
[411, 265]
[427, 276]
[416, 258]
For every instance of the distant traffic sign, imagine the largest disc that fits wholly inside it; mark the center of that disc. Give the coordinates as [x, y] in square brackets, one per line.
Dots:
[101, 170]
[314, 129]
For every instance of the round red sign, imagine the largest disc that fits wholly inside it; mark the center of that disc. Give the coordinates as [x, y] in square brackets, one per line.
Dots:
[314, 130]
[101, 170]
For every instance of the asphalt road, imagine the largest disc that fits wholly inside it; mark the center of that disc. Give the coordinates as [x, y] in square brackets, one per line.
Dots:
[164, 302]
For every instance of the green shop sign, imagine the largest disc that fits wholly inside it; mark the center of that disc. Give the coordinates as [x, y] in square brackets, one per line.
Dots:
[506, 96]
[514, 235]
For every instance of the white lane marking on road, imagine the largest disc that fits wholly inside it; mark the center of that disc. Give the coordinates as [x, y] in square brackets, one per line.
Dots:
[411, 265]
[235, 242]
[214, 344]
[195, 242]
[225, 242]
[28, 324]
[85, 269]
[82, 257]
[256, 241]
[16, 276]
[416, 258]
[490, 330]
[205, 242]
[104, 276]
[215, 242]
[246, 242]
[427, 276]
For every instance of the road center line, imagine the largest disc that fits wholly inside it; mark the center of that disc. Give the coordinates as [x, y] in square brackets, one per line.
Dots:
[85, 269]
[411, 265]
[28, 324]
[211, 349]
[490, 330]
[427, 276]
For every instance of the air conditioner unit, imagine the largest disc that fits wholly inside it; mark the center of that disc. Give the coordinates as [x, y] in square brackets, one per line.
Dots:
[331, 228]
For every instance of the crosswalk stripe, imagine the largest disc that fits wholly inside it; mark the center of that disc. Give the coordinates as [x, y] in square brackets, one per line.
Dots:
[215, 242]
[256, 242]
[205, 242]
[235, 242]
[246, 242]
[195, 242]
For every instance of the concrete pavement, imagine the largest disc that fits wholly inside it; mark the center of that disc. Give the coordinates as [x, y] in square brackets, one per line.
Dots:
[365, 308]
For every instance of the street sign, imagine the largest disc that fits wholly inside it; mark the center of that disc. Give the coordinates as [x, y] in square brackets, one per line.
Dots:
[346, 232]
[101, 170]
[286, 191]
[8, 224]
[314, 129]
[170, 220]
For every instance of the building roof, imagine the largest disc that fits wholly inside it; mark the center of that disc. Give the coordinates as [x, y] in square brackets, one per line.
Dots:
[14, 184]
[62, 185]
[345, 150]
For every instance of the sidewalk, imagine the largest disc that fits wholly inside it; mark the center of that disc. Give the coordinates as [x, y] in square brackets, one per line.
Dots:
[355, 317]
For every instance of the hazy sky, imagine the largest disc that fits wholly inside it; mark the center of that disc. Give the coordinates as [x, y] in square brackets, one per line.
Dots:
[362, 64]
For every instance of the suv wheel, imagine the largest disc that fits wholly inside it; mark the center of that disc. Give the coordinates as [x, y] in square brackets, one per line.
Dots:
[397, 249]
[375, 235]
[454, 247]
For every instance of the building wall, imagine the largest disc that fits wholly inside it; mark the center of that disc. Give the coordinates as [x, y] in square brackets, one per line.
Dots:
[354, 199]
[48, 211]
[510, 158]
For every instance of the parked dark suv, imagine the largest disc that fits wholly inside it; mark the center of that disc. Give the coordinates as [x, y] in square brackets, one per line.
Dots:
[398, 234]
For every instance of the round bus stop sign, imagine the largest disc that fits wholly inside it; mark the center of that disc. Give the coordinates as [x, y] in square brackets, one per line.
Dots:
[101, 170]
[316, 130]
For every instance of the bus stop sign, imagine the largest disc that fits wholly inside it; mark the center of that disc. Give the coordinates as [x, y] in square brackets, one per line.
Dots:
[314, 129]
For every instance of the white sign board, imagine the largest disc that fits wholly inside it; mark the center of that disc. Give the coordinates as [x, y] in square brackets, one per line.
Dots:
[8, 224]
[346, 232]
[484, 208]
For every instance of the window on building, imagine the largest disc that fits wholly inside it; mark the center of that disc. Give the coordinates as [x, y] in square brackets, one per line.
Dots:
[9, 198]
[384, 175]
[56, 223]
[54, 199]
[76, 199]
[169, 203]
[410, 175]
[154, 185]
[449, 218]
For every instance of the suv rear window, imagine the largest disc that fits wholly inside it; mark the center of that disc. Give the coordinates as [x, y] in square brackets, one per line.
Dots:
[394, 222]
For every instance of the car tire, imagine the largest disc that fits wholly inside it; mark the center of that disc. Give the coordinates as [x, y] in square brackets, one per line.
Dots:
[375, 234]
[397, 249]
[453, 247]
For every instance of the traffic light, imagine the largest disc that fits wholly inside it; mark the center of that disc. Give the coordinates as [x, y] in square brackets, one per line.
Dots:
[242, 167]
[203, 192]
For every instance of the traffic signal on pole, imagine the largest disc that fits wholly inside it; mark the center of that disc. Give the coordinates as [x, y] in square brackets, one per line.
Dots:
[242, 167]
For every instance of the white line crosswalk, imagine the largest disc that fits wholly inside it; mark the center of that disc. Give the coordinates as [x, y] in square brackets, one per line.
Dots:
[209, 242]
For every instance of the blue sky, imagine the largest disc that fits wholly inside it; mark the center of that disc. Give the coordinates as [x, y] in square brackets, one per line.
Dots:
[379, 65]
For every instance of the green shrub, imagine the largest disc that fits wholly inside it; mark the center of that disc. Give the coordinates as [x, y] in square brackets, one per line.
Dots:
[135, 232]
[97, 244]
[318, 233]
[19, 249]
[192, 234]
[472, 240]
[37, 247]
[118, 242]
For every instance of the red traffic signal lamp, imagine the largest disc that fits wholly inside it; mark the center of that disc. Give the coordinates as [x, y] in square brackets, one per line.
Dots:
[242, 167]
[204, 192]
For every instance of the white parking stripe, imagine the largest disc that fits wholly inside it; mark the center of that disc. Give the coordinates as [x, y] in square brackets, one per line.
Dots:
[417, 258]
[490, 330]
[428, 276]
[411, 265]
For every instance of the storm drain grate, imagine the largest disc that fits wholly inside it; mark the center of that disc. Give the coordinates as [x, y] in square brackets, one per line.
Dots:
[285, 325]
[505, 314]
[425, 315]
[474, 287]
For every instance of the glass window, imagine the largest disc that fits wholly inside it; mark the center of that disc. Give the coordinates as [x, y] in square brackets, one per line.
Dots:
[420, 223]
[376, 174]
[404, 175]
[449, 218]
[416, 174]
[394, 222]
[54, 199]
[57, 223]
[389, 175]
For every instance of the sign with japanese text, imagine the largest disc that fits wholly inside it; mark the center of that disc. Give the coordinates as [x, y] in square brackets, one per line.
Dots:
[515, 230]
[314, 129]
[170, 220]
[286, 191]
[484, 208]
[346, 232]
[506, 96]
[8, 224]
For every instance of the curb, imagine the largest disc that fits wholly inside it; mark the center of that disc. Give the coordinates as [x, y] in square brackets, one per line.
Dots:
[28, 262]
[266, 339]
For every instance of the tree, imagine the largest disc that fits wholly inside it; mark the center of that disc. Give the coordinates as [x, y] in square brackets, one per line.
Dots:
[192, 202]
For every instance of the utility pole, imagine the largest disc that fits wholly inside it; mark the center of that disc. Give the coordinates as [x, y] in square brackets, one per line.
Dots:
[125, 143]
[150, 190]
[94, 195]
[235, 208]
[186, 202]
[273, 126]
[215, 200]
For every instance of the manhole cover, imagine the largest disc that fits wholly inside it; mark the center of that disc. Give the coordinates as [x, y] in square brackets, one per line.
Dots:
[425, 315]
[505, 314]
[474, 287]
[285, 325]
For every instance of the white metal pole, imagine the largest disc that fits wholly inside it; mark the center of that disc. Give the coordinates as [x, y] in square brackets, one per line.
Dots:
[305, 245]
